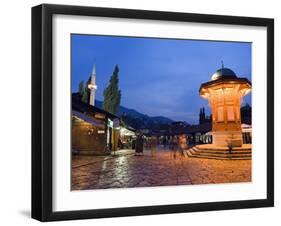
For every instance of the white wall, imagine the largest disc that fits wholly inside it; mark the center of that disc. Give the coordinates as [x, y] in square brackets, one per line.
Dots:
[15, 85]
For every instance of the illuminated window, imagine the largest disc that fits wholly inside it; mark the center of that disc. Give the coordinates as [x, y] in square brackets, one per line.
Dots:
[230, 113]
[219, 92]
[220, 114]
[219, 97]
[238, 112]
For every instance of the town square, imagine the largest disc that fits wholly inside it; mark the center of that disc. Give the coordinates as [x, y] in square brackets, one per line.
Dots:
[148, 130]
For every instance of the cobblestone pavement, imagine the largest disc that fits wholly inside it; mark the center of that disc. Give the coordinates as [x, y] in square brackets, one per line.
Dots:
[163, 168]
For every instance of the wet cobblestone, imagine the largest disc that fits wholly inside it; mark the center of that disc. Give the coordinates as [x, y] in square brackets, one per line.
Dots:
[127, 170]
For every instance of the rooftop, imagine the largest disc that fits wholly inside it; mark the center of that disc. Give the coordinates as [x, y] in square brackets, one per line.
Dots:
[223, 73]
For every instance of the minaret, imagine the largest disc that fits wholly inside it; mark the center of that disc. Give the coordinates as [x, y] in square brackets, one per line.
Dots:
[92, 86]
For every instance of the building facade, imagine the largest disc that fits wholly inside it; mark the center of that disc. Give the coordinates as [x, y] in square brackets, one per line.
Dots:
[94, 131]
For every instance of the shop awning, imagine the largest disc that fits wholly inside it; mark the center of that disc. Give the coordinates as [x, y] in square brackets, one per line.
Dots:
[88, 119]
[125, 132]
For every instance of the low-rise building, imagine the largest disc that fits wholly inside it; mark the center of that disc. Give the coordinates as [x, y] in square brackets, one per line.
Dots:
[94, 130]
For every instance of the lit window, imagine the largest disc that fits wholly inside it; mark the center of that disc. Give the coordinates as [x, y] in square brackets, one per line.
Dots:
[220, 114]
[230, 113]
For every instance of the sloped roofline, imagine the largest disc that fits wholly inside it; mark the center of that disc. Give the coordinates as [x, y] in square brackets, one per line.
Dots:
[79, 105]
[224, 80]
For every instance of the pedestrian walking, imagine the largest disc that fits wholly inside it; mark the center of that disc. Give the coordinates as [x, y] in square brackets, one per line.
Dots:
[182, 144]
[174, 146]
[153, 145]
[139, 144]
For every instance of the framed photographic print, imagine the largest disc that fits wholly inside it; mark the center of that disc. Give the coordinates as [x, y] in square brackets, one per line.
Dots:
[145, 112]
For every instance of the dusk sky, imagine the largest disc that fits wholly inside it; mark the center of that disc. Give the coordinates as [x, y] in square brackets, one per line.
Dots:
[158, 77]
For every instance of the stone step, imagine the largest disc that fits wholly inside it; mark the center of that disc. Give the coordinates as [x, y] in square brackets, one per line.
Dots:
[221, 151]
[222, 155]
[213, 154]
[218, 157]
[201, 147]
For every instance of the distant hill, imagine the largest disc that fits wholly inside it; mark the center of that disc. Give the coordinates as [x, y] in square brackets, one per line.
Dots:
[138, 120]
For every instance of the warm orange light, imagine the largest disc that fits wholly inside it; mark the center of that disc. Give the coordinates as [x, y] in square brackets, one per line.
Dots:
[225, 99]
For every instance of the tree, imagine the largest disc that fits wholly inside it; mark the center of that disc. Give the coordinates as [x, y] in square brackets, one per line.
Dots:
[84, 91]
[81, 88]
[85, 95]
[112, 94]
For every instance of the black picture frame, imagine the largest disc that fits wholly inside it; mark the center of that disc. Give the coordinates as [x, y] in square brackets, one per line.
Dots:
[42, 111]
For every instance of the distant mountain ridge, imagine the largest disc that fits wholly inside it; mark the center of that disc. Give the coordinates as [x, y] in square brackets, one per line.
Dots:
[138, 120]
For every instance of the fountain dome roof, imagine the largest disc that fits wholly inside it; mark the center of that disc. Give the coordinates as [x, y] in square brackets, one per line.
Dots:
[223, 73]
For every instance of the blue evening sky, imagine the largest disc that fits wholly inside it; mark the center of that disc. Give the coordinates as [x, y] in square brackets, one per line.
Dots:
[158, 77]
